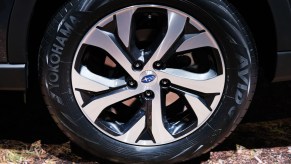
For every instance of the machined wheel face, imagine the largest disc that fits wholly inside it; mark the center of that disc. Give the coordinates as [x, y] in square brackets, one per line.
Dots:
[148, 75]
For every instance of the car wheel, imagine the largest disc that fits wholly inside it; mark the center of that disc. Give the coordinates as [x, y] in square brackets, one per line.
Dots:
[147, 81]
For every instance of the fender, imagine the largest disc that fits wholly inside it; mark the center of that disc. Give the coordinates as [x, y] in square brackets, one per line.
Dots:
[5, 10]
[18, 31]
[281, 11]
[28, 21]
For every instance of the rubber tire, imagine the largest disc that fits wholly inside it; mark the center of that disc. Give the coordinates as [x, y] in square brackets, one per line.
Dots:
[63, 37]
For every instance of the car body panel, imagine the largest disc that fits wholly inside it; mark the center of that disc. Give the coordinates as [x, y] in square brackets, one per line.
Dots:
[5, 10]
[13, 77]
[282, 17]
[19, 31]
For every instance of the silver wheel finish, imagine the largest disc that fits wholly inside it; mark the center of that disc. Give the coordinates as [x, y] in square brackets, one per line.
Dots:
[150, 119]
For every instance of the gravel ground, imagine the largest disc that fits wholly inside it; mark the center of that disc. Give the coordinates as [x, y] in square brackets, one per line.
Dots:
[260, 142]
[28, 135]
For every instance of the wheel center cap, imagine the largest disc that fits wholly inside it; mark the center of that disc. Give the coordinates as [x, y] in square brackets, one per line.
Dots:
[148, 77]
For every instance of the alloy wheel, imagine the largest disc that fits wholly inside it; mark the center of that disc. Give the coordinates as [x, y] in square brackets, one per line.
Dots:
[148, 75]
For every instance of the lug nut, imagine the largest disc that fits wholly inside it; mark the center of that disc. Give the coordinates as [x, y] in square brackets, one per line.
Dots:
[137, 65]
[132, 83]
[158, 65]
[149, 94]
[165, 83]
[149, 16]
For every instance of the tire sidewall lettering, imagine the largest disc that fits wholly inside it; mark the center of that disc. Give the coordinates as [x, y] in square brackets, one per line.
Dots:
[54, 57]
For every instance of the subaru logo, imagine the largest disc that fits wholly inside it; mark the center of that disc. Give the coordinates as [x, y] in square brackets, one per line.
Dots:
[148, 78]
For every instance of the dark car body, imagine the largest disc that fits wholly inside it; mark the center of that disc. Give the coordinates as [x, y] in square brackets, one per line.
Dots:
[22, 24]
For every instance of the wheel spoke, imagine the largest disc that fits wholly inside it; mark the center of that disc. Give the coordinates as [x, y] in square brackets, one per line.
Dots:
[134, 132]
[94, 108]
[123, 20]
[194, 41]
[161, 135]
[176, 24]
[85, 83]
[205, 83]
[107, 41]
[85, 72]
[199, 108]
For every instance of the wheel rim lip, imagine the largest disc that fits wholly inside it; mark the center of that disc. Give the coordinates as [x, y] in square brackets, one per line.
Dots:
[148, 71]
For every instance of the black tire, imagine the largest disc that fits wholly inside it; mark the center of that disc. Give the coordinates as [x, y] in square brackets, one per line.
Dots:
[77, 17]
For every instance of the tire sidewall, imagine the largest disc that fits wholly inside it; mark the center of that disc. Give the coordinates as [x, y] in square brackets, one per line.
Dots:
[55, 73]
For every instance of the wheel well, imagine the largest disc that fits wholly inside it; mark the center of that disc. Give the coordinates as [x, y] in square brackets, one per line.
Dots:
[259, 19]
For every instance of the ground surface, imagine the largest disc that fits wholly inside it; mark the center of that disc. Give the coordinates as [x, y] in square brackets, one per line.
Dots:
[28, 135]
